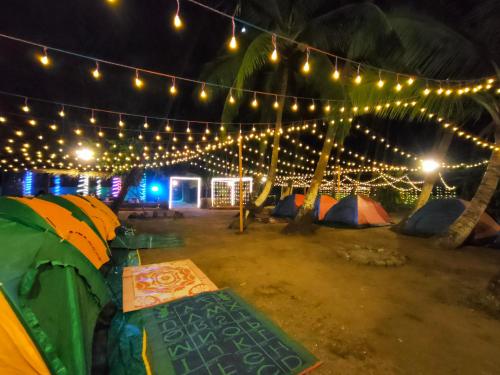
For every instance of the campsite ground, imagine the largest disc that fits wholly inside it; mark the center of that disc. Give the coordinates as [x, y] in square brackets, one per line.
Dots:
[421, 318]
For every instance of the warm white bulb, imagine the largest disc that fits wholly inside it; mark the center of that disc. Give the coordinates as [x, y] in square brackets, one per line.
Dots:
[138, 82]
[85, 154]
[96, 73]
[398, 87]
[380, 83]
[25, 108]
[274, 55]
[173, 89]
[429, 165]
[232, 43]
[177, 22]
[255, 103]
[276, 105]
[336, 75]
[231, 100]
[44, 59]
[306, 68]
[295, 107]
[203, 94]
[358, 79]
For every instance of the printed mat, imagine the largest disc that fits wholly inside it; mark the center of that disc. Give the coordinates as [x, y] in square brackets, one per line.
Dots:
[219, 333]
[154, 284]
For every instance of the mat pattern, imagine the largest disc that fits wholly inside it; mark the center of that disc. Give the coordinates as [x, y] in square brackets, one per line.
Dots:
[219, 333]
[154, 284]
[133, 241]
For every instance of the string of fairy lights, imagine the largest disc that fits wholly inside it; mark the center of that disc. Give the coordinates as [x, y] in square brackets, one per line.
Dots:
[460, 87]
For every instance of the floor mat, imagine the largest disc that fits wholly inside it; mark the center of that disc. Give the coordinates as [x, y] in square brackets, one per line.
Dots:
[146, 241]
[154, 284]
[219, 333]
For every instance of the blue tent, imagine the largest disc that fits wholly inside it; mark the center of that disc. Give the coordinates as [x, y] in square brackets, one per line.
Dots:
[289, 206]
[436, 216]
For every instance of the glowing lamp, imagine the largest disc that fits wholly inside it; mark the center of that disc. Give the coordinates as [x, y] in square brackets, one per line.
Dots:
[85, 154]
[429, 165]
[177, 22]
[155, 188]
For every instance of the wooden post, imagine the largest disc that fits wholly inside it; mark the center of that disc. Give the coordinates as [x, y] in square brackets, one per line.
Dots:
[338, 182]
[240, 157]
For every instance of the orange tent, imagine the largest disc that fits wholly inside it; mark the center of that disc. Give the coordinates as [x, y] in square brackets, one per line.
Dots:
[102, 221]
[66, 226]
[104, 208]
[18, 353]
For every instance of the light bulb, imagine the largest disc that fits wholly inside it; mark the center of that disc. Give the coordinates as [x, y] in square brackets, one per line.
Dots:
[427, 91]
[3, 119]
[358, 79]
[380, 83]
[312, 107]
[440, 91]
[93, 120]
[410, 81]
[203, 93]
[25, 108]
[398, 87]
[173, 89]
[232, 43]
[138, 82]
[96, 73]
[255, 103]
[306, 68]
[100, 134]
[336, 75]
[276, 104]
[61, 113]
[295, 107]
[44, 59]
[177, 21]
[274, 55]
[327, 108]
[121, 124]
[231, 99]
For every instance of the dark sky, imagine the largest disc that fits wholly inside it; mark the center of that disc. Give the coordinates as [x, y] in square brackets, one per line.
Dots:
[139, 33]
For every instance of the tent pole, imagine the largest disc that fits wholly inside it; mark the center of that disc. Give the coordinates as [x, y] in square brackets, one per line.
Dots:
[240, 157]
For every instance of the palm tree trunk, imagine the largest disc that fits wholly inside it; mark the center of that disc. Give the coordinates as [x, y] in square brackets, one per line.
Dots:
[271, 176]
[304, 219]
[460, 230]
[132, 178]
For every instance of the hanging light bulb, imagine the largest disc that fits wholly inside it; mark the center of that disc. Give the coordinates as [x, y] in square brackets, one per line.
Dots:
[140, 136]
[380, 82]
[138, 82]
[25, 107]
[188, 129]
[358, 78]
[121, 124]
[233, 45]
[276, 105]
[92, 118]
[231, 97]
[440, 90]
[44, 58]
[410, 81]
[203, 93]
[174, 138]
[207, 130]
[168, 127]
[177, 19]
[398, 86]
[306, 68]
[327, 107]
[274, 54]
[295, 106]
[255, 103]
[100, 133]
[173, 89]
[222, 128]
[145, 125]
[158, 137]
[427, 91]
[312, 107]
[61, 112]
[96, 73]
[336, 73]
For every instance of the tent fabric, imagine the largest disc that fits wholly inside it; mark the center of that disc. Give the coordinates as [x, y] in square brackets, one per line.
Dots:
[357, 211]
[18, 352]
[322, 205]
[79, 234]
[102, 221]
[75, 211]
[435, 217]
[104, 208]
[55, 290]
[289, 206]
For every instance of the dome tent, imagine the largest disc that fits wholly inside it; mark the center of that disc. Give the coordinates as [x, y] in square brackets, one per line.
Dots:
[322, 205]
[435, 217]
[357, 211]
[289, 206]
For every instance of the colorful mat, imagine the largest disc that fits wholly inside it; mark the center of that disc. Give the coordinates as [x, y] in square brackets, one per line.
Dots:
[154, 284]
[219, 333]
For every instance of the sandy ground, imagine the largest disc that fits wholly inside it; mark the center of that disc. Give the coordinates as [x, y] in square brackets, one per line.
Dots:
[414, 319]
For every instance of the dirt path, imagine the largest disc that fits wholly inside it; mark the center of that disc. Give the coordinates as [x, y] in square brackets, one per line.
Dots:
[414, 319]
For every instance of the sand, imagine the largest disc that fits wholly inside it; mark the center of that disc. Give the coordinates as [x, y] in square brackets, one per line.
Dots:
[418, 318]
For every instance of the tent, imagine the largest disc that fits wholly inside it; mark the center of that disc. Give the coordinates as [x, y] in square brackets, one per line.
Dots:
[322, 205]
[58, 220]
[51, 296]
[289, 206]
[437, 215]
[101, 220]
[357, 211]
[100, 205]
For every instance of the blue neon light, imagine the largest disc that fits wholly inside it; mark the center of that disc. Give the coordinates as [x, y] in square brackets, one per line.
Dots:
[57, 185]
[28, 183]
[142, 188]
[155, 188]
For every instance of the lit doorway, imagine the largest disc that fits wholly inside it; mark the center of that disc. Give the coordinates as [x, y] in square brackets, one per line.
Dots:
[184, 192]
